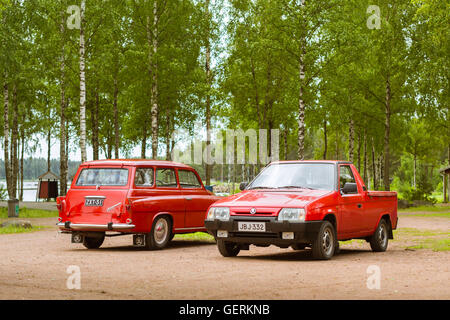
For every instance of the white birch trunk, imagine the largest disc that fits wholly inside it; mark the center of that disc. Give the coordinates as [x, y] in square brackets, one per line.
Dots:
[82, 86]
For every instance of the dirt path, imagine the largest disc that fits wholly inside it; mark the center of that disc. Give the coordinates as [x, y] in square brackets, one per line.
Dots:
[33, 266]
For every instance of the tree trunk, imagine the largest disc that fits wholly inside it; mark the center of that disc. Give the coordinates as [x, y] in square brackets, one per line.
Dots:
[374, 167]
[49, 148]
[6, 140]
[301, 113]
[62, 121]
[285, 138]
[387, 128]
[325, 139]
[14, 141]
[351, 141]
[82, 86]
[155, 83]
[359, 149]
[116, 120]
[366, 180]
[208, 166]
[144, 139]
[415, 171]
[95, 126]
[21, 163]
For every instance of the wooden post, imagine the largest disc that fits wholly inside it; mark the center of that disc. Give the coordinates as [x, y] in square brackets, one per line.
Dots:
[445, 186]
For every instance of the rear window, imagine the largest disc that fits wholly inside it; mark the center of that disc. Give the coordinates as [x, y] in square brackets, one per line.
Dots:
[103, 177]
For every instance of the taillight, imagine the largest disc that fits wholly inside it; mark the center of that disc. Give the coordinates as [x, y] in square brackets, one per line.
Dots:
[58, 203]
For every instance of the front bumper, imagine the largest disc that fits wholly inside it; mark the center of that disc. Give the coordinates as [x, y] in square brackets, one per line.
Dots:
[68, 226]
[304, 232]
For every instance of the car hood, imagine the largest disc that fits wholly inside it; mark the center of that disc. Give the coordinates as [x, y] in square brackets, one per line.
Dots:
[272, 198]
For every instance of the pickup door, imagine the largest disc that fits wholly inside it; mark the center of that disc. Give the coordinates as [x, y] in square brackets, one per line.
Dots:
[351, 206]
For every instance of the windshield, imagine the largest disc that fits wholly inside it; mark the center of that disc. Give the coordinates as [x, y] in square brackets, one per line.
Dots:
[296, 175]
[103, 177]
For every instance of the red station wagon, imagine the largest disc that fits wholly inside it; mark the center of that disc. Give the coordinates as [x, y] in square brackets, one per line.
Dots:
[303, 204]
[153, 200]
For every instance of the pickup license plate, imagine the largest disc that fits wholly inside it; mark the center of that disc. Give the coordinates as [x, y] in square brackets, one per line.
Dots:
[252, 226]
[92, 202]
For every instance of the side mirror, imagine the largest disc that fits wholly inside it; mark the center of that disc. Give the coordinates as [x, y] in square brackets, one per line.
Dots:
[243, 185]
[349, 188]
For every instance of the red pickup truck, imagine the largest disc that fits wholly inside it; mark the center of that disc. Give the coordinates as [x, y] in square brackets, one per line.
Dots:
[153, 200]
[303, 204]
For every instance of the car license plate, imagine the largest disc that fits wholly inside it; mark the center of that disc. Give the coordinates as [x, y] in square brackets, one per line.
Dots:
[93, 202]
[252, 226]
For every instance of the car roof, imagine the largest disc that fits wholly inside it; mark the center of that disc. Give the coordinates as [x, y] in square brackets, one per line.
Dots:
[135, 163]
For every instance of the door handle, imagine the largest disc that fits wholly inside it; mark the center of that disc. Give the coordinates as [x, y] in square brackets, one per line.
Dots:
[359, 205]
[188, 199]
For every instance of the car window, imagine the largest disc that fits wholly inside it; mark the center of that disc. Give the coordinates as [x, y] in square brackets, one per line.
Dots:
[103, 177]
[345, 175]
[188, 179]
[144, 177]
[166, 178]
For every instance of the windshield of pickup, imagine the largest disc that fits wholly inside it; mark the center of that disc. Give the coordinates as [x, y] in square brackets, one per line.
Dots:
[103, 177]
[295, 176]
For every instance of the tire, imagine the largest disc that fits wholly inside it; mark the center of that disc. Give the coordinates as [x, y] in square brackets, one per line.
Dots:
[93, 242]
[160, 235]
[337, 248]
[228, 249]
[325, 244]
[380, 239]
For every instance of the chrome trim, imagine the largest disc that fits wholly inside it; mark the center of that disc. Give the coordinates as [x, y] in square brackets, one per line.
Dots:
[103, 227]
[193, 228]
[95, 197]
[110, 208]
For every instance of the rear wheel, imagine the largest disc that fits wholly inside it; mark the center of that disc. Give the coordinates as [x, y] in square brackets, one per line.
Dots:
[324, 245]
[228, 249]
[379, 240]
[160, 235]
[93, 242]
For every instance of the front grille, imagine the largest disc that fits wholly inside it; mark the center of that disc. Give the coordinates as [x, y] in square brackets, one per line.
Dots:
[248, 213]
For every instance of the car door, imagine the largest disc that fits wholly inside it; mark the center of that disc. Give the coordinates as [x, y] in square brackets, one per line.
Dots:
[350, 205]
[197, 200]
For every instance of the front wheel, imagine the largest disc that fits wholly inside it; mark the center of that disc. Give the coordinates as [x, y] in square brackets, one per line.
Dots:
[160, 235]
[228, 249]
[93, 242]
[379, 240]
[325, 243]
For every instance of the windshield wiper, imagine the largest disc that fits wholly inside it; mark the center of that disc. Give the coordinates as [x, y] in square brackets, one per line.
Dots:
[260, 187]
[296, 187]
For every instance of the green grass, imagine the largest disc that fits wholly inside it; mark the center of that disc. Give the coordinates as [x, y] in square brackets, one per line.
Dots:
[14, 229]
[197, 236]
[430, 215]
[30, 213]
[426, 209]
[423, 239]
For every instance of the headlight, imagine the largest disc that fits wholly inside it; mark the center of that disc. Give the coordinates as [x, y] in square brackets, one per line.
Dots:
[292, 214]
[220, 213]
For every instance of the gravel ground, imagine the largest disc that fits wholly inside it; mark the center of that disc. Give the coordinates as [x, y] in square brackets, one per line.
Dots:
[34, 266]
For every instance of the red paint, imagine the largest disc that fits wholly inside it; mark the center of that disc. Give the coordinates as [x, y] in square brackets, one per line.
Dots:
[140, 204]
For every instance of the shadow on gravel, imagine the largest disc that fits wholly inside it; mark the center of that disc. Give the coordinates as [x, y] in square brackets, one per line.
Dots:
[301, 255]
[176, 244]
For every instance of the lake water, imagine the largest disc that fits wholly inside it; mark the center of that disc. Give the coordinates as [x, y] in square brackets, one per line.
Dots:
[29, 192]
